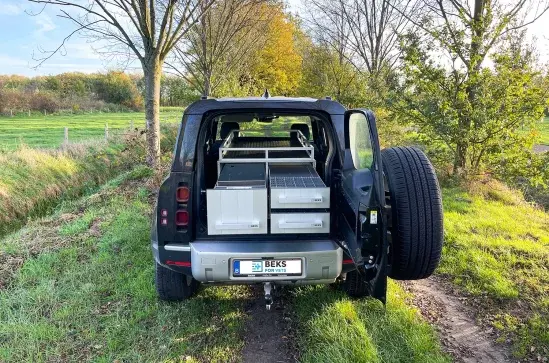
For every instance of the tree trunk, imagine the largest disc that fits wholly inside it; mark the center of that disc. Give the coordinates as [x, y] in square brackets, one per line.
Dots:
[207, 83]
[460, 157]
[153, 72]
[466, 122]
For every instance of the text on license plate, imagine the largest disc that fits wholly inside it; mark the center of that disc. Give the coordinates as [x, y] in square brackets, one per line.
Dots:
[260, 267]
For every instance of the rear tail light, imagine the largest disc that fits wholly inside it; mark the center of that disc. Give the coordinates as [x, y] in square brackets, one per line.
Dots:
[183, 194]
[181, 218]
[179, 263]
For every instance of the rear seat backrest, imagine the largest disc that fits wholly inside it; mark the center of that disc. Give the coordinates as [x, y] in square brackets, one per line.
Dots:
[304, 128]
[226, 128]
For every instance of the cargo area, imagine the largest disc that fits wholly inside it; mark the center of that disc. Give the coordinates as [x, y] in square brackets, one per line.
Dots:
[269, 177]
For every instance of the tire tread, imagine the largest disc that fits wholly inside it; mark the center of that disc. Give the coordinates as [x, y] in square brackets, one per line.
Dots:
[417, 213]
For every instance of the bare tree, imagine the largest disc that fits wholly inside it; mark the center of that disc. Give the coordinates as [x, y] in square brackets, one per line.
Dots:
[145, 29]
[366, 32]
[220, 43]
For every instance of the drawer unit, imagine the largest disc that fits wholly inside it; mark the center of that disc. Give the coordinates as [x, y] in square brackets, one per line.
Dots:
[300, 223]
[297, 187]
[292, 198]
[237, 211]
[242, 176]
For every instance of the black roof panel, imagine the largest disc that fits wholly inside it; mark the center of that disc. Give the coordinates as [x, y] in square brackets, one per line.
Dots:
[295, 103]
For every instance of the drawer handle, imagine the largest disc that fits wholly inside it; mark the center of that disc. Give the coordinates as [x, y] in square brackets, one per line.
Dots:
[245, 225]
[282, 199]
[292, 225]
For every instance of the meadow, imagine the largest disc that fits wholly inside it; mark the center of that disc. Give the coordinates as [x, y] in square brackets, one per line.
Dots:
[77, 284]
[541, 130]
[544, 131]
[39, 131]
[497, 250]
[84, 291]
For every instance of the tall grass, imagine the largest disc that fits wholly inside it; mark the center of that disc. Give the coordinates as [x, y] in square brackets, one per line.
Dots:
[497, 249]
[33, 181]
[84, 291]
[337, 329]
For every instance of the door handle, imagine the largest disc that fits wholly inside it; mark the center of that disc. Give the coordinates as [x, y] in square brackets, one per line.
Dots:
[300, 225]
[244, 225]
[283, 199]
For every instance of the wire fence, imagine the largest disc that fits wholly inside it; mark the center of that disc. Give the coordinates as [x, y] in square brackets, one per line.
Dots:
[47, 137]
[55, 130]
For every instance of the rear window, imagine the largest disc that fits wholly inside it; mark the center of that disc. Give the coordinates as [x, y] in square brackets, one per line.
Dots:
[263, 125]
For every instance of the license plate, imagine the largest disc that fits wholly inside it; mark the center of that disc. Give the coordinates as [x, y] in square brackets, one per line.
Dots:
[290, 267]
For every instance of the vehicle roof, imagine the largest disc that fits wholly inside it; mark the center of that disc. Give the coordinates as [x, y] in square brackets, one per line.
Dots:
[294, 103]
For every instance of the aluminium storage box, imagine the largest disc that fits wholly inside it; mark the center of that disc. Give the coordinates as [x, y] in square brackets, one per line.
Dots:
[238, 203]
[299, 200]
[315, 222]
[297, 186]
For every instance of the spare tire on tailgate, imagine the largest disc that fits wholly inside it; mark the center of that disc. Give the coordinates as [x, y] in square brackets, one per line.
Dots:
[416, 207]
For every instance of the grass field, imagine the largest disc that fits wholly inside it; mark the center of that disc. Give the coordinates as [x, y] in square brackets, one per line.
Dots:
[337, 329]
[497, 249]
[85, 290]
[39, 131]
[544, 131]
[33, 181]
[78, 286]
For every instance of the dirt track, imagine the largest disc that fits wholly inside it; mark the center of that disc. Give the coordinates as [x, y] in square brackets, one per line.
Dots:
[461, 336]
[541, 148]
[268, 334]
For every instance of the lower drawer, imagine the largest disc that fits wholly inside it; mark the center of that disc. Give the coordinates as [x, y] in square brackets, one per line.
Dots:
[237, 211]
[300, 223]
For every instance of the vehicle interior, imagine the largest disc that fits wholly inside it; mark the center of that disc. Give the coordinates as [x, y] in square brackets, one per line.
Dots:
[265, 130]
[288, 156]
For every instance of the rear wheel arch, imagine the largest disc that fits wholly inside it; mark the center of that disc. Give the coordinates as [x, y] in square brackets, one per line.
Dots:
[172, 285]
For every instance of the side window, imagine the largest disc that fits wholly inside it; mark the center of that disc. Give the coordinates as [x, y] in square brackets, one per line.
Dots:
[359, 141]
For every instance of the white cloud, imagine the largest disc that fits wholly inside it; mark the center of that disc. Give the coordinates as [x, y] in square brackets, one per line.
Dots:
[10, 9]
[44, 23]
[82, 50]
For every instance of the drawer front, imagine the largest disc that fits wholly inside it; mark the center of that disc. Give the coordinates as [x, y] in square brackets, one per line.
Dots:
[237, 211]
[289, 198]
[300, 223]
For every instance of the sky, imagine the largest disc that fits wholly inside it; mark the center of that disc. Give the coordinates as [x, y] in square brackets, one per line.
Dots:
[23, 35]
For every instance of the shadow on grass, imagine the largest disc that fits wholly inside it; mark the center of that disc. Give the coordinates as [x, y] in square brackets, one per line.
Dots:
[336, 328]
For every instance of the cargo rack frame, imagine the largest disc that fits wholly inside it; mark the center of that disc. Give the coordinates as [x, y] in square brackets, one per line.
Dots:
[305, 146]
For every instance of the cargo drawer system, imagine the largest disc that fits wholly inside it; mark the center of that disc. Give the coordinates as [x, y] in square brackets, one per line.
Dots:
[297, 187]
[250, 177]
[238, 203]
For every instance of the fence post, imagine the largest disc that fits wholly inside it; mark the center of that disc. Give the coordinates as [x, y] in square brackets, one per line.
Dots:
[66, 135]
[45, 113]
[29, 113]
[106, 131]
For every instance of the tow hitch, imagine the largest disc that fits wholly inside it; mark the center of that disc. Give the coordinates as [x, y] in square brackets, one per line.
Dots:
[268, 297]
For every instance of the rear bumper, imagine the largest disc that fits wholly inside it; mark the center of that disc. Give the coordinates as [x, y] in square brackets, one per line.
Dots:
[212, 260]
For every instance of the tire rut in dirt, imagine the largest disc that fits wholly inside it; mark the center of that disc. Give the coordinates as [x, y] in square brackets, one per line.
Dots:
[269, 335]
[460, 335]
